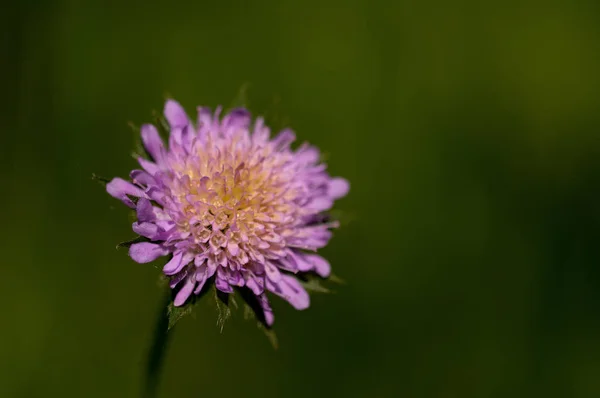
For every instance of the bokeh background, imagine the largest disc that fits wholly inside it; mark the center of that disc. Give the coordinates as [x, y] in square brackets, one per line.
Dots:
[471, 247]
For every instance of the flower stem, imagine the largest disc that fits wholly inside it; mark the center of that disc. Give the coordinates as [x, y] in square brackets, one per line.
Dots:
[157, 352]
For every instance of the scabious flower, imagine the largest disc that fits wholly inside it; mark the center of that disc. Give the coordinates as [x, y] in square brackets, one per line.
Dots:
[231, 205]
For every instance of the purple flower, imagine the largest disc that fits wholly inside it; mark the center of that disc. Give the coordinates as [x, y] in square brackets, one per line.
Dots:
[231, 205]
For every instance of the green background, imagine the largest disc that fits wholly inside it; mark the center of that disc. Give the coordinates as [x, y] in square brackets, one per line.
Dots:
[471, 250]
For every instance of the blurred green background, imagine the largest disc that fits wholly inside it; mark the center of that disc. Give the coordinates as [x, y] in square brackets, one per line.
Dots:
[470, 132]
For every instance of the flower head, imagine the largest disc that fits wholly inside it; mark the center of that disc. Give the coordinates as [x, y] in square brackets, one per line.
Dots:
[231, 205]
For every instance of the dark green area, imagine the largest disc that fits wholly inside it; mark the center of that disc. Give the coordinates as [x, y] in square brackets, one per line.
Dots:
[470, 132]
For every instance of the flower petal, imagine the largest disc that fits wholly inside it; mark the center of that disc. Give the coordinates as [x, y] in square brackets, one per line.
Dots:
[146, 252]
[233, 248]
[185, 292]
[152, 142]
[119, 188]
[176, 279]
[260, 133]
[156, 194]
[180, 259]
[320, 203]
[201, 278]
[175, 140]
[236, 118]
[301, 262]
[267, 311]
[187, 138]
[175, 114]
[320, 265]
[290, 289]
[147, 229]
[222, 284]
[255, 284]
[145, 211]
[272, 272]
[204, 116]
[149, 166]
[284, 139]
[338, 188]
[141, 177]
[307, 154]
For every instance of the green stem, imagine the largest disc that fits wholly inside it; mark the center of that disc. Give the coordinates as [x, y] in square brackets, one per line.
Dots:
[157, 352]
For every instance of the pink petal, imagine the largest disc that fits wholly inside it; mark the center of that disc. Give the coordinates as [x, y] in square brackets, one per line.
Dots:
[236, 118]
[268, 313]
[233, 248]
[147, 165]
[252, 282]
[338, 188]
[145, 211]
[320, 203]
[147, 229]
[119, 188]
[201, 277]
[176, 279]
[272, 272]
[284, 139]
[175, 114]
[222, 284]
[204, 116]
[141, 177]
[146, 252]
[320, 265]
[185, 292]
[174, 265]
[152, 142]
[290, 289]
